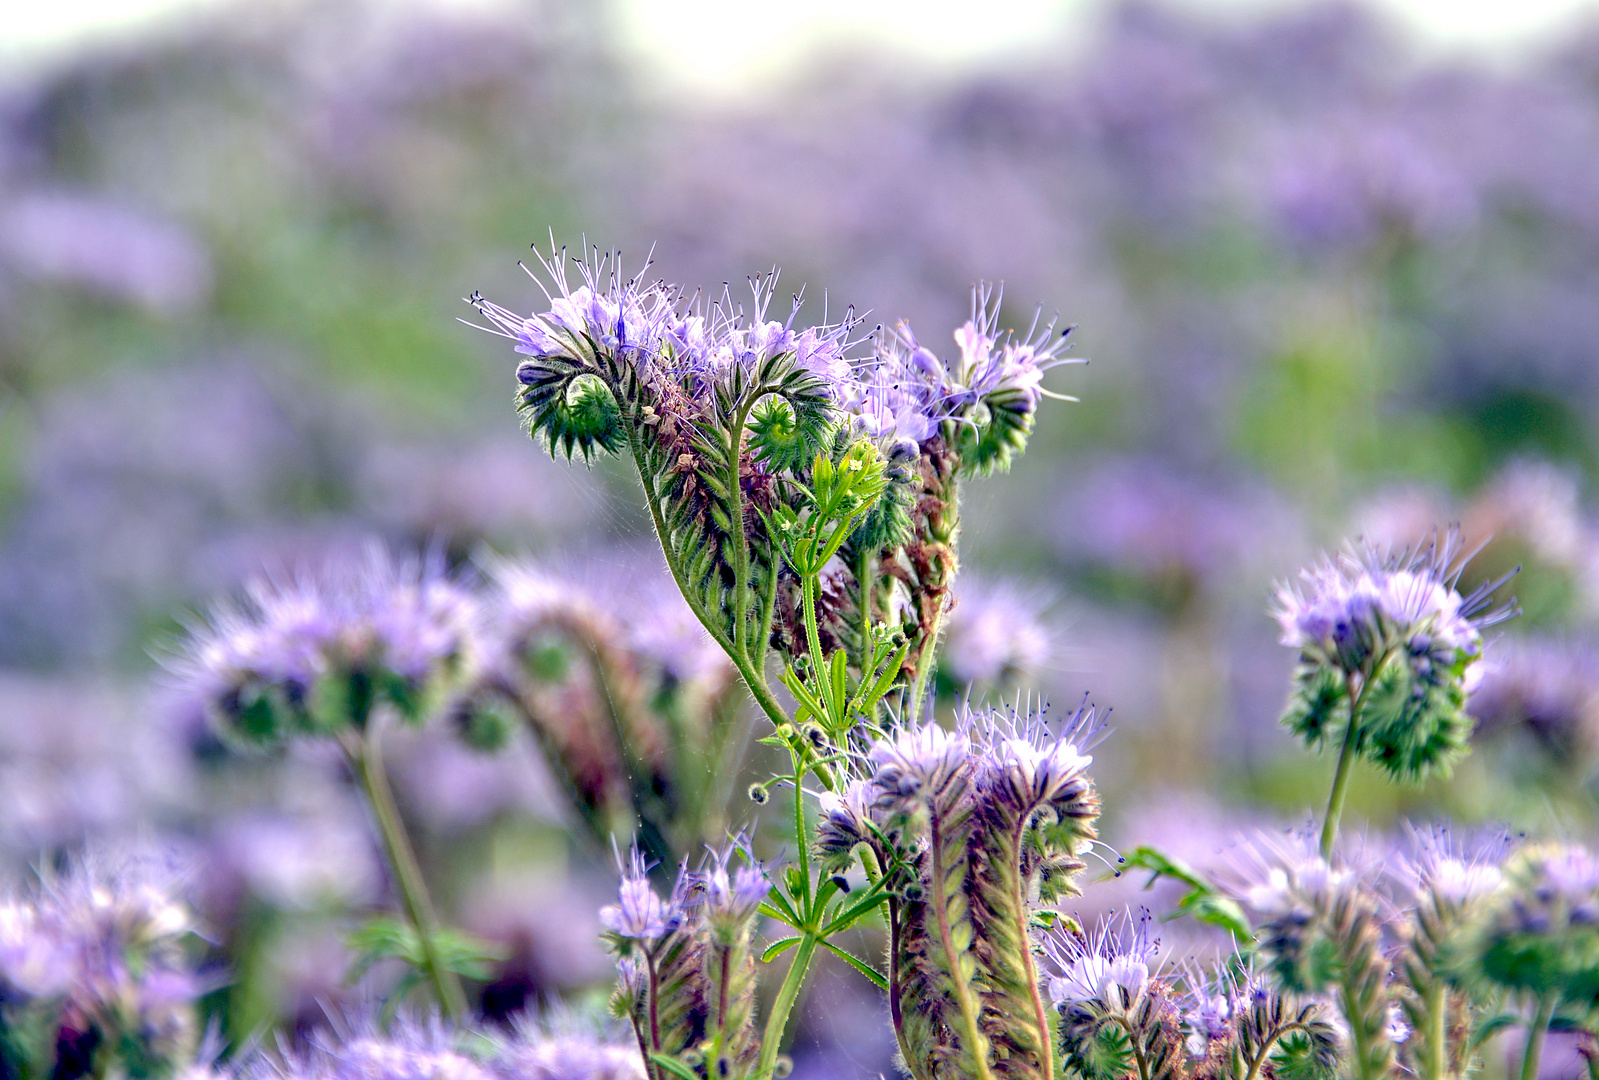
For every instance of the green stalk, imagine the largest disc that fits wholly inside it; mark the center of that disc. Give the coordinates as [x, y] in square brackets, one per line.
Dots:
[753, 679]
[367, 762]
[924, 665]
[1437, 1031]
[1535, 1037]
[787, 994]
[1340, 791]
[1346, 758]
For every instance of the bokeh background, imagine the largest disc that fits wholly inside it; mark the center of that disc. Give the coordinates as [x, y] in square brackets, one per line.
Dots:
[1338, 275]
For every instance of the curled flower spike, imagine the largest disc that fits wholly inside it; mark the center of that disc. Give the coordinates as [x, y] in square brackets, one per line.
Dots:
[1353, 609]
[1033, 765]
[1438, 864]
[1389, 652]
[731, 894]
[1540, 933]
[607, 314]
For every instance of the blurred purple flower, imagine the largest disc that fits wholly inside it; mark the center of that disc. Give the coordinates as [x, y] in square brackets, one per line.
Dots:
[997, 634]
[100, 245]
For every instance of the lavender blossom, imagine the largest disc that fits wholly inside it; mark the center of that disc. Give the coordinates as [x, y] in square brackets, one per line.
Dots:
[1540, 933]
[916, 763]
[605, 315]
[731, 895]
[311, 651]
[1111, 966]
[997, 636]
[1389, 653]
[639, 915]
[100, 953]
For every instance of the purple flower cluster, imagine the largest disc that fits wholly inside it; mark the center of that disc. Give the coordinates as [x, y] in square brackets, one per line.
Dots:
[99, 954]
[405, 619]
[1354, 609]
[656, 329]
[719, 892]
[417, 1049]
[909, 393]
[1110, 965]
[997, 635]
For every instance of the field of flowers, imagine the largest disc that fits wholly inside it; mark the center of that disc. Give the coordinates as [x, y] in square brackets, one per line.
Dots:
[1121, 601]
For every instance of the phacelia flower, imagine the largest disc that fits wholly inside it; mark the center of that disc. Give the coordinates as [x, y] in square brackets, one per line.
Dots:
[1033, 765]
[403, 627]
[729, 894]
[997, 635]
[1359, 606]
[1541, 931]
[639, 913]
[607, 315]
[915, 759]
[1391, 635]
[1110, 966]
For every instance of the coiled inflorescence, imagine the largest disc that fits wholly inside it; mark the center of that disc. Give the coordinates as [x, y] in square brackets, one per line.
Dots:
[96, 975]
[313, 652]
[726, 412]
[973, 828]
[687, 973]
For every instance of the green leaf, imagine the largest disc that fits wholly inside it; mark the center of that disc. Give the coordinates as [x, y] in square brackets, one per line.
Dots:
[1203, 901]
[778, 948]
[674, 1066]
[858, 964]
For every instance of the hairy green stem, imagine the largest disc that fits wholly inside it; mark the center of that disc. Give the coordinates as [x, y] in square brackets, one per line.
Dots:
[1437, 1031]
[1018, 900]
[787, 994]
[1535, 1036]
[753, 679]
[925, 663]
[1346, 758]
[366, 761]
[1358, 1035]
[1340, 791]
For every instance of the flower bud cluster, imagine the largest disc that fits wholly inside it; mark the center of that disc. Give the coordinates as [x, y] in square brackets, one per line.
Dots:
[95, 976]
[1122, 1013]
[1389, 652]
[687, 975]
[909, 393]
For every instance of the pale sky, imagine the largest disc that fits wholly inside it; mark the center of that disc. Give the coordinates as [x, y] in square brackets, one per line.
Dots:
[722, 47]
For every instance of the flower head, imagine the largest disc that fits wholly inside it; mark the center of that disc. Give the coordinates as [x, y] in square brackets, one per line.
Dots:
[402, 623]
[1110, 966]
[997, 634]
[915, 760]
[1032, 765]
[730, 895]
[607, 315]
[639, 913]
[1354, 608]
